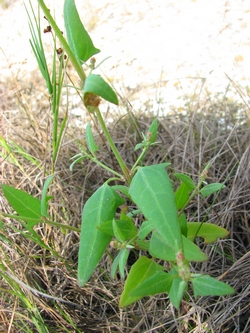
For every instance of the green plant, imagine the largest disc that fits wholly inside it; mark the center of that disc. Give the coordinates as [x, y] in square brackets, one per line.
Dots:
[165, 235]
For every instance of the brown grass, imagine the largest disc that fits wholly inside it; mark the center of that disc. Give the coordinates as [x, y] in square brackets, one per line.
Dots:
[208, 130]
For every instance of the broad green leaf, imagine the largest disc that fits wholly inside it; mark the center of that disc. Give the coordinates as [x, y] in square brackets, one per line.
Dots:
[123, 189]
[96, 85]
[158, 248]
[192, 252]
[210, 232]
[90, 140]
[211, 188]
[124, 216]
[142, 244]
[23, 203]
[78, 38]
[151, 190]
[100, 207]
[160, 282]
[176, 291]
[182, 196]
[142, 269]
[152, 131]
[124, 230]
[106, 228]
[205, 285]
[45, 198]
[186, 180]
[145, 229]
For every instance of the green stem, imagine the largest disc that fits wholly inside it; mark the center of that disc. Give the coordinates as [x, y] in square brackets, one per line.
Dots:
[63, 41]
[119, 159]
[82, 76]
[60, 225]
[106, 167]
[145, 149]
[41, 220]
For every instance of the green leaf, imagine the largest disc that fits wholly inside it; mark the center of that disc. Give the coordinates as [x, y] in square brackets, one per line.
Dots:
[142, 244]
[186, 180]
[205, 285]
[123, 189]
[37, 46]
[100, 207]
[96, 85]
[124, 230]
[106, 228]
[78, 38]
[192, 252]
[90, 140]
[151, 190]
[23, 203]
[183, 224]
[79, 159]
[176, 292]
[115, 264]
[182, 195]
[123, 261]
[45, 198]
[120, 261]
[152, 131]
[145, 229]
[211, 188]
[210, 232]
[160, 282]
[142, 269]
[158, 248]
[139, 146]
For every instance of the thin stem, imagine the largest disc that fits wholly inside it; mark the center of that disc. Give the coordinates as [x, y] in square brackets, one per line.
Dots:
[106, 167]
[82, 76]
[145, 149]
[40, 220]
[119, 159]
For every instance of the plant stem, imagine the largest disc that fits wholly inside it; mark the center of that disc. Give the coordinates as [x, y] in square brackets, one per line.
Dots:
[82, 76]
[40, 220]
[62, 40]
[119, 159]
[145, 149]
[106, 167]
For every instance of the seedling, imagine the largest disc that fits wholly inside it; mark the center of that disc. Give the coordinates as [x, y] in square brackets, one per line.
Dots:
[165, 235]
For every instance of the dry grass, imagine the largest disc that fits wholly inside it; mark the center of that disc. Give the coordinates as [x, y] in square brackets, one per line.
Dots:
[210, 130]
